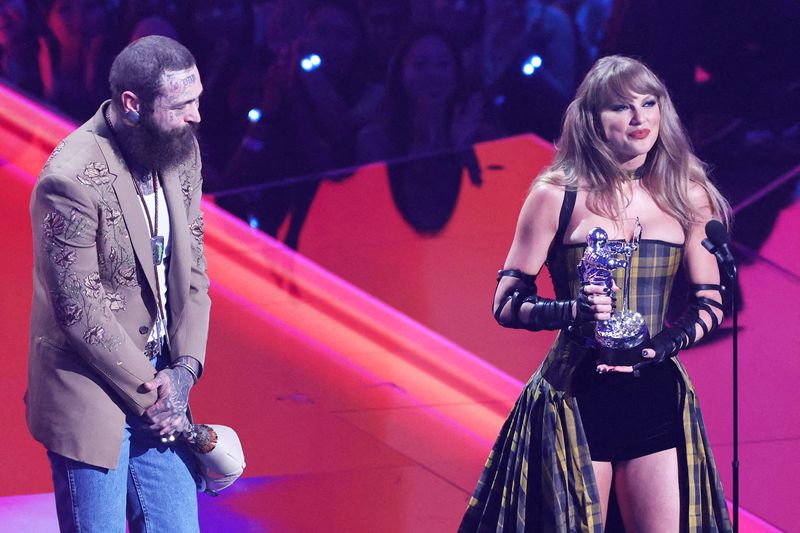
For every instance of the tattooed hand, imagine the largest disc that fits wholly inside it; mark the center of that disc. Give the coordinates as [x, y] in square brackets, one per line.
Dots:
[168, 414]
[201, 438]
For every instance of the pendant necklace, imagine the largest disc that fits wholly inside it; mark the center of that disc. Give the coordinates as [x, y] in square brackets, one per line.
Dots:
[157, 245]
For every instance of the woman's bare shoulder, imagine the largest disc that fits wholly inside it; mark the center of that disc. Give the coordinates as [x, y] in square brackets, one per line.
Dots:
[549, 184]
[543, 202]
[698, 195]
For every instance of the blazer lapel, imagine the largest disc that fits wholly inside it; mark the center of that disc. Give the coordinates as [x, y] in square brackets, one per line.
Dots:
[180, 262]
[128, 198]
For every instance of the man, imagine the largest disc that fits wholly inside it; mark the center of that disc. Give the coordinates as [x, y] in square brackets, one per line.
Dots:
[120, 303]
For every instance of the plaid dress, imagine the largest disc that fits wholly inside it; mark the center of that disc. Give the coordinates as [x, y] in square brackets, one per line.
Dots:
[539, 476]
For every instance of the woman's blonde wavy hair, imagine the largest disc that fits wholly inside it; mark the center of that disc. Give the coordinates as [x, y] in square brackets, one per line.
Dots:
[583, 157]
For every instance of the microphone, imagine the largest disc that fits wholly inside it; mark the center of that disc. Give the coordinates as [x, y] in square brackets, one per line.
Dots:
[719, 242]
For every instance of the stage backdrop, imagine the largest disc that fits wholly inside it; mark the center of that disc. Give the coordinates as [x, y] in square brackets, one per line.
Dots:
[319, 376]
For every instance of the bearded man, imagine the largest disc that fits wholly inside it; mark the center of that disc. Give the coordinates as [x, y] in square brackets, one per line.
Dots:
[120, 302]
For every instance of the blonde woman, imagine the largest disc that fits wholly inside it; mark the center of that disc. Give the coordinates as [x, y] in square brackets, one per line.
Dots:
[580, 429]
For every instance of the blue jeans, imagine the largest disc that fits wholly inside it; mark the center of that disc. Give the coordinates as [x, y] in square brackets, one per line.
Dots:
[152, 485]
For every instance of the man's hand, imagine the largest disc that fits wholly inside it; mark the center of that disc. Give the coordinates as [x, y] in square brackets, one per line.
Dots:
[168, 414]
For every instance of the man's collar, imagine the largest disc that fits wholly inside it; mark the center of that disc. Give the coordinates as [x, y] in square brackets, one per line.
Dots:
[99, 125]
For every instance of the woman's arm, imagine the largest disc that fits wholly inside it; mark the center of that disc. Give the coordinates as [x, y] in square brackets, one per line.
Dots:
[702, 268]
[704, 313]
[516, 302]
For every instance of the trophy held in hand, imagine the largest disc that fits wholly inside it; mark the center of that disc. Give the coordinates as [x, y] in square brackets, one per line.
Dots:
[619, 339]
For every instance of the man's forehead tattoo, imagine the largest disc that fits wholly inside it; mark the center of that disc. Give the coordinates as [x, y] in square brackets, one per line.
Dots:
[176, 85]
[188, 80]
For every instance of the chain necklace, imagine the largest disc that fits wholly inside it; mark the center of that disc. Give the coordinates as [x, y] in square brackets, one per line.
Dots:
[157, 245]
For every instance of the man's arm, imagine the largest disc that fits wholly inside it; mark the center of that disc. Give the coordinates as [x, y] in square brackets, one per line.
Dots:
[188, 342]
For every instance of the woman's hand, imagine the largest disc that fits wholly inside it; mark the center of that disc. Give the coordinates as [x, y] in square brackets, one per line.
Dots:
[601, 304]
[595, 302]
[467, 121]
[648, 355]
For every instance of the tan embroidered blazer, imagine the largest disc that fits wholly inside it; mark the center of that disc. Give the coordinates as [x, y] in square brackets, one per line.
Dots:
[94, 293]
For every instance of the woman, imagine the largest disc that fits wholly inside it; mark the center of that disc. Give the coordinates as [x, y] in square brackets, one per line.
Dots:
[429, 118]
[76, 81]
[623, 156]
[25, 44]
[426, 106]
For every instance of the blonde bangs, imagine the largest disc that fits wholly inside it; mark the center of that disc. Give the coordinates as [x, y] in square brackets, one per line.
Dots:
[620, 81]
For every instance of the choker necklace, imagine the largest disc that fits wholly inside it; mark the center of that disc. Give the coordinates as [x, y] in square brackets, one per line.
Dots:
[637, 174]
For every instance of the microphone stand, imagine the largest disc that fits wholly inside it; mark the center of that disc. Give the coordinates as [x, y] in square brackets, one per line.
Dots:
[728, 264]
[733, 274]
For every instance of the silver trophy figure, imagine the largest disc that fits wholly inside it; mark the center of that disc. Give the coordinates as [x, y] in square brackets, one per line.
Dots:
[626, 329]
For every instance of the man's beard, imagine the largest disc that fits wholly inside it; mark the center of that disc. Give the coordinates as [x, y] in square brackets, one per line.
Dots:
[151, 148]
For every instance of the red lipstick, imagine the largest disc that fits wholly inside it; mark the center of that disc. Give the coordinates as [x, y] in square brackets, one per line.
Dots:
[639, 134]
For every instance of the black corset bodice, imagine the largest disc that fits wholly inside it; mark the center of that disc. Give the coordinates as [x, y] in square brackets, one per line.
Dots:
[653, 268]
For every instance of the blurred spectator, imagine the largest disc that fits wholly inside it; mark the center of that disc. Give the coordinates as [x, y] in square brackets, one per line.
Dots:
[426, 108]
[310, 113]
[668, 43]
[154, 25]
[591, 19]
[462, 20]
[427, 114]
[286, 23]
[23, 40]
[80, 64]
[421, 12]
[517, 29]
[387, 21]
[221, 35]
[264, 13]
[319, 99]
[516, 33]
[152, 17]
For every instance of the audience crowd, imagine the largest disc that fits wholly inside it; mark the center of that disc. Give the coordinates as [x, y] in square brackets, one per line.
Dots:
[296, 89]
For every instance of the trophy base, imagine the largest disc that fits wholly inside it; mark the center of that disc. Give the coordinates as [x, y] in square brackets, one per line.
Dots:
[619, 357]
[621, 338]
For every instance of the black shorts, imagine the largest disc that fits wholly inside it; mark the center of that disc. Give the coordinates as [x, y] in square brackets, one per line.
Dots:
[625, 417]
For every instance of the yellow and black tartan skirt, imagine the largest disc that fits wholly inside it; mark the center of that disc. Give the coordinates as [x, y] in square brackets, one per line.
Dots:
[539, 477]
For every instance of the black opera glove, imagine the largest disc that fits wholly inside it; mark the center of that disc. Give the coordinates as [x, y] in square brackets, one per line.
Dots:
[583, 308]
[666, 343]
[669, 341]
[544, 314]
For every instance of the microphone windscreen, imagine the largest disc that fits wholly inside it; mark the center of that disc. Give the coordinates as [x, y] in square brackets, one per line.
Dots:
[716, 233]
